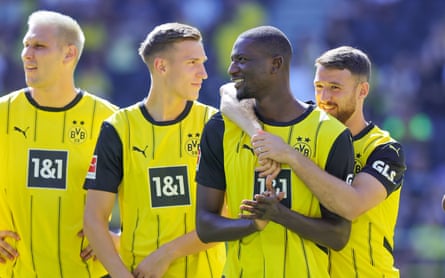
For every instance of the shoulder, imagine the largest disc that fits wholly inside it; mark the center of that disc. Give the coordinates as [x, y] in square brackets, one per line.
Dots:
[124, 118]
[101, 102]
[327, 122]
[12, 96]
[381, 142]
[207, 109]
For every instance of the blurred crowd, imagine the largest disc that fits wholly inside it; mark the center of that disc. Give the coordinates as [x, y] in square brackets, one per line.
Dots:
[405, 39]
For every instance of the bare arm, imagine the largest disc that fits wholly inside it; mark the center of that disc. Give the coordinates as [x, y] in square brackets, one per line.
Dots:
[211, 226]
[241, 112]
[98, 208]
[334, 193]
[333, 232]
[157, 263]
[329, 231]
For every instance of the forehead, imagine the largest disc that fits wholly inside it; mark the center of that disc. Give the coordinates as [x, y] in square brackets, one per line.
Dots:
[245, 46]
[332, 75]
[41, 32]
[188, 49]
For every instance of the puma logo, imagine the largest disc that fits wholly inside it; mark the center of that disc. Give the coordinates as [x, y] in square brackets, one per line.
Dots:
[395, 149]
[136, 149]
[245, 146]
[21, 130]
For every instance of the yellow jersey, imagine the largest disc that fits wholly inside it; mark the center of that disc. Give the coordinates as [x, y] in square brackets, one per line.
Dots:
[369, 251]
[45, 154]
[228, 162]
[152, 165]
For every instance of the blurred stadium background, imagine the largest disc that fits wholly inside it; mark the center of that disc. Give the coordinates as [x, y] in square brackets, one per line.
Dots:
[405, 39]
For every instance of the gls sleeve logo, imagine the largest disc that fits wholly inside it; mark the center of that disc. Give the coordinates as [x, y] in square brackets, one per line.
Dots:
[384, 169]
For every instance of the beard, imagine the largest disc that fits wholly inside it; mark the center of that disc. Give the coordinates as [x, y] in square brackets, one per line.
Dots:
[243, 93]
[343, 115]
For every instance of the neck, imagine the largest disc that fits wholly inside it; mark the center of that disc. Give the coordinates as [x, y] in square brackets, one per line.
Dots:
[164, 108]
[56, 98]
[283, 109]
[356, 126]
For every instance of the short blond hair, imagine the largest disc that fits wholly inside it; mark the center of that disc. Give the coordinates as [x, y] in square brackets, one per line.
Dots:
[69, 31]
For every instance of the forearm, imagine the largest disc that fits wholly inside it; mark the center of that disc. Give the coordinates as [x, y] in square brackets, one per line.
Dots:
[185, 245]
[331, 233]
[323, 185]
[101, 241]
[240, 112]
[216, 228]
[334, 193]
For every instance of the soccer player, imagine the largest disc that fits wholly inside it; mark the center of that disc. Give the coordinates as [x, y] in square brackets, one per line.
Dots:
[292, 230]
[146, 154]
[341, 87]
[47, 137]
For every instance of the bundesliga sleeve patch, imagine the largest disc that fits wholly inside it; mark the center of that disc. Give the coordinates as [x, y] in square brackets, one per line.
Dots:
[92, 169]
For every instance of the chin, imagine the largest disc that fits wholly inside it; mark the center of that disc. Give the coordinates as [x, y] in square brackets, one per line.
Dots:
[241, 94]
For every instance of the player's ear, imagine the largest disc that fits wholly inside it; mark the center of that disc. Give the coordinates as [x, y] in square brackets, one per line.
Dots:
[277, 63]
[364, 89]
[70, 53]
[159, 65]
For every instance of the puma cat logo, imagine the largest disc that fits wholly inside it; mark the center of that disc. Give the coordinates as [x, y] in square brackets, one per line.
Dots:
[18, 129]
[245, 146]
[136, 149]
[395, 149]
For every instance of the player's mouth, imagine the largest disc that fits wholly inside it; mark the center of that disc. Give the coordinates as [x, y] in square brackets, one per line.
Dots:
[198, 85]
[237, 82]
[327, 107]
[30, 68]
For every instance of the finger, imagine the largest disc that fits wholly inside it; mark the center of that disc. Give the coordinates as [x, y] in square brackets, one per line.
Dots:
[7, 251]
[87, 253]
[266, 172]
[138, 274]
[247, 208]
[11, 234]
[269, 182]
[87, 256]
[249, 202]
[7, 254]
[260, 198]
[277, 170]
[80, 234]
[247, 216]
[262, 171]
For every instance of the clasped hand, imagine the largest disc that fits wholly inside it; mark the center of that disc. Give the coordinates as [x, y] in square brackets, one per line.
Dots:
[264, 208]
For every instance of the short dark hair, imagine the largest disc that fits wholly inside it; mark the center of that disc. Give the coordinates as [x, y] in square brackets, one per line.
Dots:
[163, 36]
[346, 57]
[272, 40]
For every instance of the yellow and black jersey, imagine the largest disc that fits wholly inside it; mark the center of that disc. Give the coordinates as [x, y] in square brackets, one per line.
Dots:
[152, 166]
[227, 162]
[370, 247]
[45, 155]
